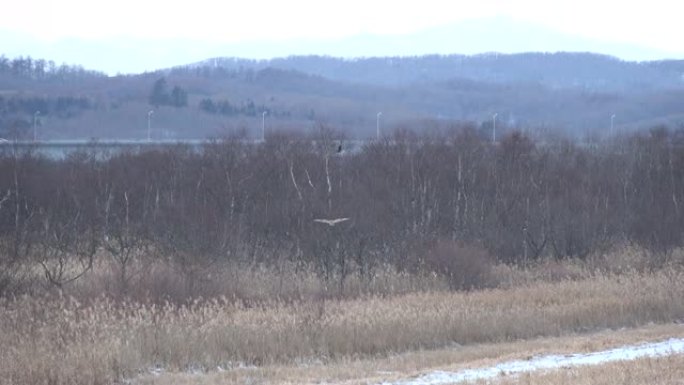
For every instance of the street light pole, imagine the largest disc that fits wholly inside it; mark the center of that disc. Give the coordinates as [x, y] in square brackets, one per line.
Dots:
[377, 125]
[263, 126]
[149, 125]
[494, 127]
[35, 121]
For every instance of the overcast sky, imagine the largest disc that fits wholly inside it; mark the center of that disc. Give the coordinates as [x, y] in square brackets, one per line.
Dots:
[654, 24]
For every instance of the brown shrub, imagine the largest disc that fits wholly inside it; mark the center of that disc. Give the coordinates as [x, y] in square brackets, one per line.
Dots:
[464, 266]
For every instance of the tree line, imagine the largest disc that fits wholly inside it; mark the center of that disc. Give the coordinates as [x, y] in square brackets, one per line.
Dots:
[41, 69]
[178, 97]
[160, 95]
[258, 203]
[17, 113]
[61, 106]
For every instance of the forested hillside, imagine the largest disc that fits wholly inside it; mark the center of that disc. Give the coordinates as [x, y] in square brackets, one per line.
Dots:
[571, 94]
[556, 70]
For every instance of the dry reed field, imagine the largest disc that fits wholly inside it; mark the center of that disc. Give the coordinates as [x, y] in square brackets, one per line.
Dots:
[411, 365]
[61, 340]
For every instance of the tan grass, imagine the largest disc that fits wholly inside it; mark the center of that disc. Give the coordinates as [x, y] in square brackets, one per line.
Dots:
[412, 364]
[61, 341]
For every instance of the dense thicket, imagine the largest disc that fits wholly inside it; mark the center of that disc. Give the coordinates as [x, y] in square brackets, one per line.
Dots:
[240, 201]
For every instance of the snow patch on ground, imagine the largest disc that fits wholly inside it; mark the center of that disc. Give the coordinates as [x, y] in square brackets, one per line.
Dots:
[625, 353]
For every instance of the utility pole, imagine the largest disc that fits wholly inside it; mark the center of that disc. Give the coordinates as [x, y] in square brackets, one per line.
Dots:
[612, 124]
[149, 125]
[377, 125]
[263, 126]
[35, 121]
[494, 127]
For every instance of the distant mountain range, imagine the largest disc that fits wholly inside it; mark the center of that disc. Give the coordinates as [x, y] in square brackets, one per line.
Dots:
[468, 37]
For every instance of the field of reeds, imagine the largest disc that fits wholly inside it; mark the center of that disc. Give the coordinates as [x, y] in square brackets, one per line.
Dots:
[410, 366]
[79, 338]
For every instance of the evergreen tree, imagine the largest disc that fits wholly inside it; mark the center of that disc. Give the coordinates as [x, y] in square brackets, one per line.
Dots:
[207, 105]
[160, 93]
[179, 98]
